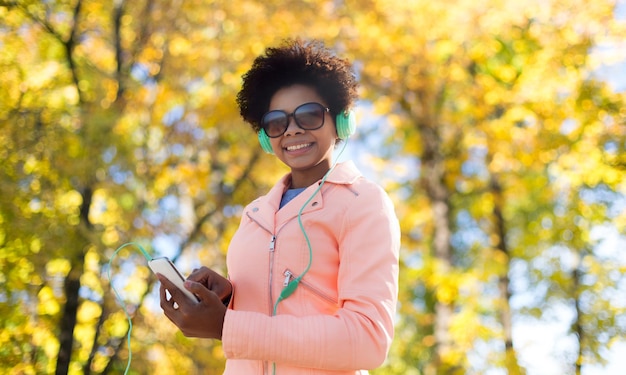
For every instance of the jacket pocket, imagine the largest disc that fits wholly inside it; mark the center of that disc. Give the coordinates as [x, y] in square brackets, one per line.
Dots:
[290, 276]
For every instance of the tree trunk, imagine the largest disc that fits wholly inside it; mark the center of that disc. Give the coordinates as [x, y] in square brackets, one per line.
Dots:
[68, 320]
[506, 314]
[71, 290]
[438, 193]
[577, 325]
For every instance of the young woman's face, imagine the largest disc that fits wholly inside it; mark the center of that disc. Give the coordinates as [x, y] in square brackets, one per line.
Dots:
[307, 152]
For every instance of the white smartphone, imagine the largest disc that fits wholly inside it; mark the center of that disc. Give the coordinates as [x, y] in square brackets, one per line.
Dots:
[166, 268]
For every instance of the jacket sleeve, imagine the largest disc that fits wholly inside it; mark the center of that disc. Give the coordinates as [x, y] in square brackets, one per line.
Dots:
[359, 334]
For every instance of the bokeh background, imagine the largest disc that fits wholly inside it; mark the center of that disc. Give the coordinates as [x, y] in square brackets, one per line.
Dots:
[497, 126]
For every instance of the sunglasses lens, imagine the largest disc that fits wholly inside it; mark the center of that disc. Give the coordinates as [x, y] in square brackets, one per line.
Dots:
[310, 116]
[275, 123]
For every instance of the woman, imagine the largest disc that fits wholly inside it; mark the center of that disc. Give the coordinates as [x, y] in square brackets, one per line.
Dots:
[313, 267]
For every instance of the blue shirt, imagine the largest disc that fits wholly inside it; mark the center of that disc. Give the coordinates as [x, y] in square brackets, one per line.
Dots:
[289, 195]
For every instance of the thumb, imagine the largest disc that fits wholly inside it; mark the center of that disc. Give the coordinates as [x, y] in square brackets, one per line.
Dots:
[201, 291]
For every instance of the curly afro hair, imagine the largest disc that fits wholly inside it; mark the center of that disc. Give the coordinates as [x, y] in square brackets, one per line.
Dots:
[296, 62]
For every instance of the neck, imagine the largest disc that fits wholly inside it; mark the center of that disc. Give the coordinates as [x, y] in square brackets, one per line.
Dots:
[301, 179]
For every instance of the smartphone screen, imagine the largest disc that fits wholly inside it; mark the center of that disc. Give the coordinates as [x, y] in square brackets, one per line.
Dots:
[166, 268]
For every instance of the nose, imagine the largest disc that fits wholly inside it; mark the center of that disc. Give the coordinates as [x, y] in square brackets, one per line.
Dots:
[292, 126]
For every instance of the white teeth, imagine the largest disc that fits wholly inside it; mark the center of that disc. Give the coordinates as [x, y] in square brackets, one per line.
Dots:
[297, 147]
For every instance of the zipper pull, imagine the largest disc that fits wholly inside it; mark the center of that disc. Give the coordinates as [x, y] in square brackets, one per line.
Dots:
[289, 286]
[288, 275]
[272, 243]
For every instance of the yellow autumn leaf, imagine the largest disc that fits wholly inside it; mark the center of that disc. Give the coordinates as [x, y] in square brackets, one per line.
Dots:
[48, 304]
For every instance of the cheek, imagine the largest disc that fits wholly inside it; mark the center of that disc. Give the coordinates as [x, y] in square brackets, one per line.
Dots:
[333, 128]
[333, 134]
[278, 150]
[275, 143]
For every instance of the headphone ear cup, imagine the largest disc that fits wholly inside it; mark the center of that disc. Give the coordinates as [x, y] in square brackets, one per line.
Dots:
[264, 140]
[346, 124]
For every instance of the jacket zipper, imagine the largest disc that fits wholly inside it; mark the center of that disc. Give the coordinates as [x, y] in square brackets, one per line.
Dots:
[289, 276]
[271, 308]
[272, 246]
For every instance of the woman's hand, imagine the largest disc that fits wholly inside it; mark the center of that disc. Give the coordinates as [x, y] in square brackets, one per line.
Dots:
[213, 281]
[203, 318]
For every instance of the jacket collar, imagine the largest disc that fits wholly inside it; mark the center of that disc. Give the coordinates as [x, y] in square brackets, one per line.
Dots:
[264, 208]
[345, 173]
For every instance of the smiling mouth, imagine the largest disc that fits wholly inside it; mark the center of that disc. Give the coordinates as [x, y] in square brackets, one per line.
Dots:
[298, 147]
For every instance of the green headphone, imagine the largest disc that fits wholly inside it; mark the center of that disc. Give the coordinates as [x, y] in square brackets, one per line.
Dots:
[344, 122]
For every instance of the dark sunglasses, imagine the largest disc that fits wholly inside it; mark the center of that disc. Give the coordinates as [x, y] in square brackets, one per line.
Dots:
[308, 116]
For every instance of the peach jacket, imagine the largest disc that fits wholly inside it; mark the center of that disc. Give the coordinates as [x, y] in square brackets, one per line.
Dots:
[340, 318]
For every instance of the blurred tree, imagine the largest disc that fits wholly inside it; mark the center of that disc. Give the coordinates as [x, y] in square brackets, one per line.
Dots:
[118, 123]
[482, 95]
[105, 140]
